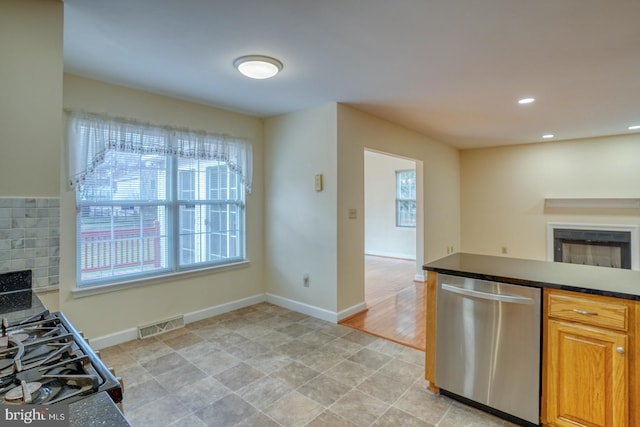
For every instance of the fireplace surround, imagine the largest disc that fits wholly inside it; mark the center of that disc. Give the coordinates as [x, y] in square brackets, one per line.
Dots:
[613, 246]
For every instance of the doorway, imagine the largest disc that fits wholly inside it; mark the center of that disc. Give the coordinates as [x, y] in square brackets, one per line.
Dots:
[394, 288]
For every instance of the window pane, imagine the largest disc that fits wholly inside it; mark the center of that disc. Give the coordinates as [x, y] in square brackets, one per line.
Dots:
[126, 176]
[406, 184]
[406, 213]
[211, 219]
[121, 240]
[406, 198]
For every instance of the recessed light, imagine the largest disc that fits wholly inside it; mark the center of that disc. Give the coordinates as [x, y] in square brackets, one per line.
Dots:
[634, 127]
[548, 136]
[258, 66]
[526, 100]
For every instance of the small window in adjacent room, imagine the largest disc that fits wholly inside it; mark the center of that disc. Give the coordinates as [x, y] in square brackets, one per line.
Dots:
[406, 198]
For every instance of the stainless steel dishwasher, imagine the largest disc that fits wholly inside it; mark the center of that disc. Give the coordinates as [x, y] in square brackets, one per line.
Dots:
[488, 344]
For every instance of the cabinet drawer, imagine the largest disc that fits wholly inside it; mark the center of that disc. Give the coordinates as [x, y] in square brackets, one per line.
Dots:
[589, 310]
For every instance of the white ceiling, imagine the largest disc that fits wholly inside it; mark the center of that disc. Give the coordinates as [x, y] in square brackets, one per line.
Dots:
[451, 69]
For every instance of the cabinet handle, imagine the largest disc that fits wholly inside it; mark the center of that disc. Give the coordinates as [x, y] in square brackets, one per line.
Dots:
[620, 350]
[586, 313]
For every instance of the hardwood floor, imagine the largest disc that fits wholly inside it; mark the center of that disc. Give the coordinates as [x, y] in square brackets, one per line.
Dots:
[396, 304]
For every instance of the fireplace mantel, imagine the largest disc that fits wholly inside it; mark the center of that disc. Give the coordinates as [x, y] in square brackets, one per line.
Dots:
[594, 202]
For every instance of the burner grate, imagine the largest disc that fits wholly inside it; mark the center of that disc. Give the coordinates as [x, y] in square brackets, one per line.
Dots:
[44, 360]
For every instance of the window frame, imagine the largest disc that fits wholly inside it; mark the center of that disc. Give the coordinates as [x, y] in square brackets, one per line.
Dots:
[174, 225]
[406, 201]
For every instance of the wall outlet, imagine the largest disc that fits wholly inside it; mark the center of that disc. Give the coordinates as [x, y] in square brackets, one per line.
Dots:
[305, 280]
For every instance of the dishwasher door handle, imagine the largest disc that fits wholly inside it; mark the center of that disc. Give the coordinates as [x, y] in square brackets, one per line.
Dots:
[486, 295]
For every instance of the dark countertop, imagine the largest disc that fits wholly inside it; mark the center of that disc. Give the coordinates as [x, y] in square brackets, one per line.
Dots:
[614, 282]
[20, 305]
[97, 410]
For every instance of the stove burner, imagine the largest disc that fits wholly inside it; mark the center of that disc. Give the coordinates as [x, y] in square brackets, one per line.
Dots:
[19, 337]
[44, 360]
[23, 392]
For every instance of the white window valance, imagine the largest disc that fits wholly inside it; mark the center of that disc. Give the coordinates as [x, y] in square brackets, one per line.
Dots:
[91, 136]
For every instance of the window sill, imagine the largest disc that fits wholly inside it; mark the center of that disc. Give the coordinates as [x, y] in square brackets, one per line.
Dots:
[113, 287]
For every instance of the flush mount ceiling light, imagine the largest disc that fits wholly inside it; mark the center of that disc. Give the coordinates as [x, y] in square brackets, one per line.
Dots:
[634, 127]
[258, 66]
[548, 136]
[526, 100]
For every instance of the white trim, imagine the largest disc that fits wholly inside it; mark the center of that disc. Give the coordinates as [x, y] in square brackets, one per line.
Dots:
[132, 333]
[354, 309]
[407, 257]
[585, 202]
[320, 313]
[419, 277]
[310, 310]
[633, 229]
[195, 316]
[115, 338]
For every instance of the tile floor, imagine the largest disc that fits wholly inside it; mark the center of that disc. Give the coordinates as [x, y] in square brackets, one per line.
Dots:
[268, 366]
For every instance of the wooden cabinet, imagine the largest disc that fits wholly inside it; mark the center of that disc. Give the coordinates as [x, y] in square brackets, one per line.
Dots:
[589, 361]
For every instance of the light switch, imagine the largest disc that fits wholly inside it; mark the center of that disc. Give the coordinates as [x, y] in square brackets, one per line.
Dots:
[319, 182]
[353, 213]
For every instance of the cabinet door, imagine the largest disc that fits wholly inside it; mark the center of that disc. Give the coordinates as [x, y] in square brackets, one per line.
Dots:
[587, 382]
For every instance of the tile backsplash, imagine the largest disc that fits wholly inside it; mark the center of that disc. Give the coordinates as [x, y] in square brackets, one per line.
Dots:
[30, 238]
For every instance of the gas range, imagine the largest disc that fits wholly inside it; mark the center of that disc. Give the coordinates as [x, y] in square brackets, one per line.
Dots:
[45, 360]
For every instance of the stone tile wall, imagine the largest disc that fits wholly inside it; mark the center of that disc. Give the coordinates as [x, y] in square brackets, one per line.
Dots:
[30, 238]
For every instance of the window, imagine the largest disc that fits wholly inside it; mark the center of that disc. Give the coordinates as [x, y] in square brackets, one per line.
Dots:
[406, 198]
[155, 201]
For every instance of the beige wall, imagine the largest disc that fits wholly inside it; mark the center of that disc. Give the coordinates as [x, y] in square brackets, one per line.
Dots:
[31, 102]
[30, 97]
[381, 236]
[112, 312]
[300, 223]
[503, 190]
[309, 232]
[438, 179]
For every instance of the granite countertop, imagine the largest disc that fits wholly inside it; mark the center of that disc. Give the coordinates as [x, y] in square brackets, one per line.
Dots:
[97, 410]
[615, 282]
[19, 305]
[17, 299]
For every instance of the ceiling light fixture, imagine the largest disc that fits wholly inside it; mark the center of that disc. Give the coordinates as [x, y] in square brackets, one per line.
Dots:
[548, 136]
[258, 66]
[634, 127]
[526, 100]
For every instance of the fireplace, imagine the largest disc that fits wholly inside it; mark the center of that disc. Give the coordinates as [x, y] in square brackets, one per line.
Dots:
[598, 245]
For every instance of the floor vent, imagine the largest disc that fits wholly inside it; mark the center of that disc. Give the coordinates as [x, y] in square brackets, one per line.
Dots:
[160, 327]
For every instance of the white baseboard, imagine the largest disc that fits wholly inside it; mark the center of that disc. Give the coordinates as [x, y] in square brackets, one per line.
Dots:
[354, 309]
[310, 310]
[408, 257]
[115, 338]
[420, 278]
[195, 316]
[130, 334]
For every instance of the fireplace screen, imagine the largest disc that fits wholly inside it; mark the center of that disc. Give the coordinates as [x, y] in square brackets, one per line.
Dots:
[600, 255]
[599, 248]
